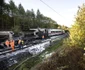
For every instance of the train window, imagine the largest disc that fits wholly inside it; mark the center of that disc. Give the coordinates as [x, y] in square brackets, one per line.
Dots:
[58, 31]
[52, 31]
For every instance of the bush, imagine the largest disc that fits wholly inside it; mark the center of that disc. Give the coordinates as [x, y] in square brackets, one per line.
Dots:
[77, 32]
[71, 60]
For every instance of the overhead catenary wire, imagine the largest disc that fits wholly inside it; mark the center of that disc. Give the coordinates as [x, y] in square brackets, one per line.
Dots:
[51, 8]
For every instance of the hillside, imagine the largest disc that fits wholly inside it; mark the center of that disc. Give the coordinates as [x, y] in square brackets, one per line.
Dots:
[70, 58]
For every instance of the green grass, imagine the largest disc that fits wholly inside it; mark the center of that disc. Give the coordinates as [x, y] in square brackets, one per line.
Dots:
[54, 47]
[35, 60]
[13, 66]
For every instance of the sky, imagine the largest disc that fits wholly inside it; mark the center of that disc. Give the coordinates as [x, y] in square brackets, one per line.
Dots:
[65, 9]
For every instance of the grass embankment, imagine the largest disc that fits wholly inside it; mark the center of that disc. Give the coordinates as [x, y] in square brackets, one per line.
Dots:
[37, 59]
[20, 57]
[69, 58]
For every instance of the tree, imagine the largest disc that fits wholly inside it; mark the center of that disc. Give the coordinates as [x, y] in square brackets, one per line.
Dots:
[21, 16]
[33, 24]
[13, 17]
[77, 32]
[39, 18]
[1, 13]
[21, 10]
[13, 13]
[13, 8]
[1, 6]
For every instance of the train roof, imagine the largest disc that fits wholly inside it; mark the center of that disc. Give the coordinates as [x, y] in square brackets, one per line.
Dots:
[6, 32]
[55, 29]
[36, 29]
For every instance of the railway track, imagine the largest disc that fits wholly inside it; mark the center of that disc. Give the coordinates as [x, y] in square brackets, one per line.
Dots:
[9, 50]
[31, 43]
[9, 57]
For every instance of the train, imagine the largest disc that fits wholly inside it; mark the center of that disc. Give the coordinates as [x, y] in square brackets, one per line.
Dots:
[30, 35]
[38, 33]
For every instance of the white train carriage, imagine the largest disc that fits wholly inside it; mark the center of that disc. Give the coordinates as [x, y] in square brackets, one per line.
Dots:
[54, 32]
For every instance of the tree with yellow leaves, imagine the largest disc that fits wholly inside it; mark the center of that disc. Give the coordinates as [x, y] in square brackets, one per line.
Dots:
[77, 32]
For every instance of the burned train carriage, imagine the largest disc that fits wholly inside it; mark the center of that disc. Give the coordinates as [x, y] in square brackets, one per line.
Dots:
[5, 35]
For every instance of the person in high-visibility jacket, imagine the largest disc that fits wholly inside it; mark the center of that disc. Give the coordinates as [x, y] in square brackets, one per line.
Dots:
[84, 51]
[20, 44]
[19, 41]
[7, 43]
[12, 44]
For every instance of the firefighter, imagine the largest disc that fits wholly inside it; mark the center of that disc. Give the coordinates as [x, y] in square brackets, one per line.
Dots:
[12, 44]
[7, 43]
